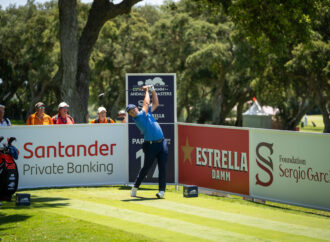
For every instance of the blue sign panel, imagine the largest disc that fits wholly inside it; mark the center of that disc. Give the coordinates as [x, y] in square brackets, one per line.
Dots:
[165, 88]
[136, 155]
[165, 115]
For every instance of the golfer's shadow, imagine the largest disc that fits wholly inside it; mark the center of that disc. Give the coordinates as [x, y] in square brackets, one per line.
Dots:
[138, 199]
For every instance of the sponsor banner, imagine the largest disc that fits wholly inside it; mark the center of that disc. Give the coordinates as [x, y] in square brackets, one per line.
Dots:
[214, 158]
[291, 167]
[165, 115]
[165, 87]
[70, 155]
[136, 154]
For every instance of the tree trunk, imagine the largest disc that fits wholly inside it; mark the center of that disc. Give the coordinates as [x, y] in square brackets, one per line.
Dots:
[74, 67]
[324, 106]
[217, 104]
[293, 121]
[216, 107]
[239, 115]
[69, 52]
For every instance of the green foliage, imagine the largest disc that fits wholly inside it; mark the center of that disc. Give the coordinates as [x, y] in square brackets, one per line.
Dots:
[223, 52]
[123, 47]
[275, 25]
[28, 57]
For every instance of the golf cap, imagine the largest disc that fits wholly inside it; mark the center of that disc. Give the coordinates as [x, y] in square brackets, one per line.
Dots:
[100, 109]
[39, 105]
[129, 107]
[2, 106]
[121, 112]
[63, 105]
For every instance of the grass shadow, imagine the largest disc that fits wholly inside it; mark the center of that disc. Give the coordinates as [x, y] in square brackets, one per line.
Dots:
[38, 202]
[298, 209]
[281, 206]
[291, 208]
[139, 199]
[48, 202]
[13, 218]
[140, 188]
[124, 187]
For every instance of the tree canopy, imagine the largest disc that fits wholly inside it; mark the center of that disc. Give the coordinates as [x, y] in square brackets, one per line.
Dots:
[224, 53]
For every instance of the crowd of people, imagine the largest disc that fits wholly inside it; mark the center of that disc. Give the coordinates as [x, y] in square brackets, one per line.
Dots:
[62, 116]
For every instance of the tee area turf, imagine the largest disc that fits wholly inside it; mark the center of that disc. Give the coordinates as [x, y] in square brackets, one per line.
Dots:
[110, 214]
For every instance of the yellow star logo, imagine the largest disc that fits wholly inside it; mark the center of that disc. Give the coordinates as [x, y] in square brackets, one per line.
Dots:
[187, 151]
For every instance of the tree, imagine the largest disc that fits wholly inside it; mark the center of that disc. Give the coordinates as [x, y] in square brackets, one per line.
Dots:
[28, 57]
[123, 47]
[271, 24]
[74, 70]
[310, 64]
[226, 70]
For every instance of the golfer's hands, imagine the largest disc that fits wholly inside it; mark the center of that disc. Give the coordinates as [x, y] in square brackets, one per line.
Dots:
[148, 87]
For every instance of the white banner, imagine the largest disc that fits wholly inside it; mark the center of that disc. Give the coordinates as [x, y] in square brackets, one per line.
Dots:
[290, 167]
[70, 155]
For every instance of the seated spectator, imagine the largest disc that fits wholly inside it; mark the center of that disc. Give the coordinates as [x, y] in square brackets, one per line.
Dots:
[121, 116]
[62, 117]
[39, 117]
[3, 121]
[102, 113]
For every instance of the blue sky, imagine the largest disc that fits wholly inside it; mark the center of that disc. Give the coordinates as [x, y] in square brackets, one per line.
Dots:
[5, 3]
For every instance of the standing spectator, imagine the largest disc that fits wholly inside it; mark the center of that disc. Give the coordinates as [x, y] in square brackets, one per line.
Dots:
[62, 117]
[305, 120]
[3, 121]
[121, 116]
[39, 117]
[154, 145]
[102, 117]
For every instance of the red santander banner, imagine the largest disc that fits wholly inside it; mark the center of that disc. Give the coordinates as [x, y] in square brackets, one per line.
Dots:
[214, 158]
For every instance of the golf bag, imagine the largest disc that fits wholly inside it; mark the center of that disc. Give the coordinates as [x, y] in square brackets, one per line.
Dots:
[8, 170]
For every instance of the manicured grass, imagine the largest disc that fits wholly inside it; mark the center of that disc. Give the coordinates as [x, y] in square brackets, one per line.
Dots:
[109, 213]
[318, 121]
[17, 122]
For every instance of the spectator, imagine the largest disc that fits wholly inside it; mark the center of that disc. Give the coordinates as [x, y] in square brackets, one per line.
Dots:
[62, 117]
[39, 117]
[305, 120]
[102, 116]
[3, 121]
[121, 116]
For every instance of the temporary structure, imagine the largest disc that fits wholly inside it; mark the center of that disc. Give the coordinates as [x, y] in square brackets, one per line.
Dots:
[257, 117]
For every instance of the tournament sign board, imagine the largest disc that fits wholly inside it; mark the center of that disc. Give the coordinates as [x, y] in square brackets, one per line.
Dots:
[165, 115]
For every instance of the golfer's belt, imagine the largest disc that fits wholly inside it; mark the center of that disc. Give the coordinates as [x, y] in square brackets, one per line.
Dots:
[154, 141]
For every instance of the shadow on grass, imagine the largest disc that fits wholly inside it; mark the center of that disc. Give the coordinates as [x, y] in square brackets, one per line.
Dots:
[48, 202]
[38, 202]
[124, 187]
[139, 199]
[293, 209]
[140, 188]
[13, 218]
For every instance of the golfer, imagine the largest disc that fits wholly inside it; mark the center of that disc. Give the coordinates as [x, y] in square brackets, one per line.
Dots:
[154, 146]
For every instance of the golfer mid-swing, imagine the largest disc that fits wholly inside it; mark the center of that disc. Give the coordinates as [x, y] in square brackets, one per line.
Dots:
[154, 146]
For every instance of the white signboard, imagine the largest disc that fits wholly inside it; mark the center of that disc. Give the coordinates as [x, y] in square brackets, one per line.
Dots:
[290, 167]
[70, 155]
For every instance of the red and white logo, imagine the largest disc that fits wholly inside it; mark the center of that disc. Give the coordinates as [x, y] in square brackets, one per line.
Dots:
[265, 163]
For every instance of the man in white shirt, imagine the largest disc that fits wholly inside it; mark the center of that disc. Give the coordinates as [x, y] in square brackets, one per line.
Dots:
[3, 121]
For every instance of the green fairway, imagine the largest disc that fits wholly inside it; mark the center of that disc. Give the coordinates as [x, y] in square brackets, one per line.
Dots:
[109, 213]
[318, 122]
